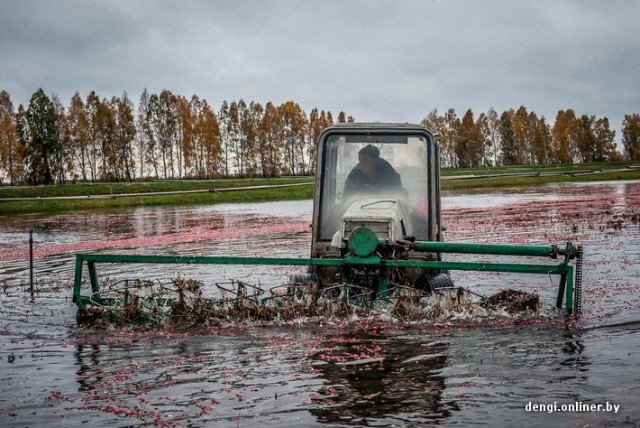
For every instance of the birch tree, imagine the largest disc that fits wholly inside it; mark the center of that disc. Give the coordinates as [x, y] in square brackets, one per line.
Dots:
[12, 149]
[631, 136]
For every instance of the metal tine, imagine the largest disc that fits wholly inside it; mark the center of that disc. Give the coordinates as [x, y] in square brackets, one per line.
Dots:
[257, 291]
[228, 290]
[273, 298]
[466, 290]
[357, 296]
[365, 291]
[246, 284]
[129, 284]
[402, 287]
[275, 287]
[333, 287]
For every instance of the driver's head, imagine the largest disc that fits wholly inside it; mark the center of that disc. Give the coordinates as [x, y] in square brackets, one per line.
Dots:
[367, 158]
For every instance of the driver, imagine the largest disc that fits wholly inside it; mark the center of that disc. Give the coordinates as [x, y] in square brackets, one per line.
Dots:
[371, 174]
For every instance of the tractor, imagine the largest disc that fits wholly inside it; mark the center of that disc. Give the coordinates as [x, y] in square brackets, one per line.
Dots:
[352, 221]
[376, 231]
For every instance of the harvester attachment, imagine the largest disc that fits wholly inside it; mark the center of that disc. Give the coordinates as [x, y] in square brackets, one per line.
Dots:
[372, 274]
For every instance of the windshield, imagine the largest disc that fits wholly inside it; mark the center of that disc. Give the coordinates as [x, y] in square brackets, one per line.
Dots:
[365, 166]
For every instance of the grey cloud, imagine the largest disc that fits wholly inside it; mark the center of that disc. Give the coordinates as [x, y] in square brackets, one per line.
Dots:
[375, 59]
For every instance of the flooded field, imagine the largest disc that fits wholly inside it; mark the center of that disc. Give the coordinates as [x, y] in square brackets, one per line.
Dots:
[360, 372]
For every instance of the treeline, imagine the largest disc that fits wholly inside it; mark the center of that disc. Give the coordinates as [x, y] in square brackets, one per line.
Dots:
[520, 137]
[168, 136]
[171, 137]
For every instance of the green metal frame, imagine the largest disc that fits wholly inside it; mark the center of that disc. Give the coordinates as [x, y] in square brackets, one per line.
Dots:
[563, 269]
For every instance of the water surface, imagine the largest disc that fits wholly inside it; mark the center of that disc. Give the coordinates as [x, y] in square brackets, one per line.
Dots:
[361, 372]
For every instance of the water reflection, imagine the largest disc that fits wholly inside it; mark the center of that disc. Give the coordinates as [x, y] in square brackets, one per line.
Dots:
[89, 373]
[573, 348]
[367, 376]
[355, 377]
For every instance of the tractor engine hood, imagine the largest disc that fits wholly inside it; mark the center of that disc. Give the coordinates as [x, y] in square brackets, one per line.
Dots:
[385, 217]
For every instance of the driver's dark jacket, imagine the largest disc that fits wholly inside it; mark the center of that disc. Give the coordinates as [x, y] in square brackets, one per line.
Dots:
[385, 178]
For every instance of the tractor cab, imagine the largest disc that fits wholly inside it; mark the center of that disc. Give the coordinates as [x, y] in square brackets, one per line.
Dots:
[382, 177]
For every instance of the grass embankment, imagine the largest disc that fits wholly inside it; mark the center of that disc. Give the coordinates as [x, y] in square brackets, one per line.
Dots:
[210, 196]
[84, 189]
[469, 179]
[518, 169]
[516, 181]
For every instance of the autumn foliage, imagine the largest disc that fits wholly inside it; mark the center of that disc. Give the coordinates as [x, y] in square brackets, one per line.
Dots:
[520, 137]
[171, 137]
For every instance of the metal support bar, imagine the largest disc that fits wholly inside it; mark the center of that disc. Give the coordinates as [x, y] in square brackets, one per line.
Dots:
[77, 280]
[561, 290]
[31, 262]
[569, 299]
[382, 287]
[488, 267]
[93, 277]
[167, 259]
[497, 249]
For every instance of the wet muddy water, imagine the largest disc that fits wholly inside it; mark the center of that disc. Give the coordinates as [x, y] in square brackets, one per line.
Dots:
[361, 372]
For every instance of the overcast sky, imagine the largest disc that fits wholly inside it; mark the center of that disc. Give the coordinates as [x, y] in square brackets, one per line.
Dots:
[377, 60]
